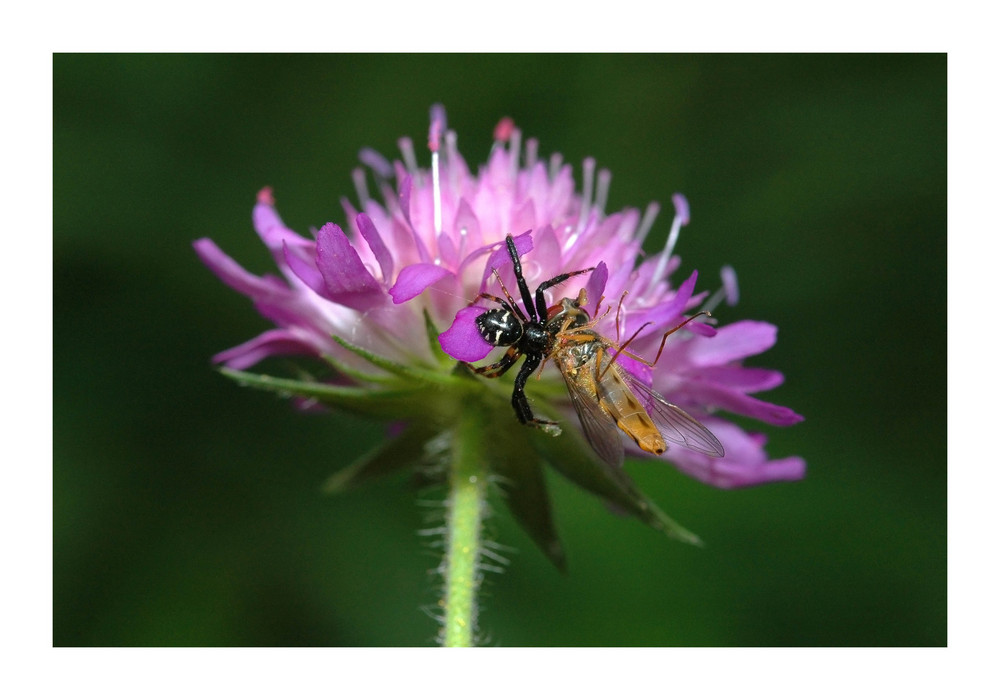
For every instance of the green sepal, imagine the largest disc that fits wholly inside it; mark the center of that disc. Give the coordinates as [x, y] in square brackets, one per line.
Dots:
[406, 451]
[356, 374]
[571, 456]
[410, 372]
[432, 340]
[521, 479]
[377, 403]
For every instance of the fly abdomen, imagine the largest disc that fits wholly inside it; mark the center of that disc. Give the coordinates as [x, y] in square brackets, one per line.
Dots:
[629, 414]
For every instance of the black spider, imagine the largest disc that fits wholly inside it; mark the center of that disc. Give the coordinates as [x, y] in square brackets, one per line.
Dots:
[532, 335]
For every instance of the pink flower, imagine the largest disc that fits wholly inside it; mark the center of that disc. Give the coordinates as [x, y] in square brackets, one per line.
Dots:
[419, 246]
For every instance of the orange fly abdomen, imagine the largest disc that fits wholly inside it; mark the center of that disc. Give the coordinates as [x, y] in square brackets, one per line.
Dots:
[629, 414]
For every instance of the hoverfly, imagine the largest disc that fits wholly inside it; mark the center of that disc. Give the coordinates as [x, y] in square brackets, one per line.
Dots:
[607, 397]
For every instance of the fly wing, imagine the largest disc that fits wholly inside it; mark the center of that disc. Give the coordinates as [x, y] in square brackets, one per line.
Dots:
[599, 427]
[674, 423]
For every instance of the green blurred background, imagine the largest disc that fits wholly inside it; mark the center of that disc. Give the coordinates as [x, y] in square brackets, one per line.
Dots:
[187, 510]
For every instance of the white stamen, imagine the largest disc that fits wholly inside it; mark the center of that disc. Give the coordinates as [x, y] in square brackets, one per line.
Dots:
[451, 153]
[377, 162]
[530, 153]
[713, 300]
[409, 157]
[603, 184]
[648, 217]
[555, 162]
[728, 291]
[514, 152]
[436, 179]
[588, 191]
[668, 249]
[360, 185]
[730, 284]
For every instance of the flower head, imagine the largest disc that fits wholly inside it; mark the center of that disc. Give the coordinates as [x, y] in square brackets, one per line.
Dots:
[371, 296]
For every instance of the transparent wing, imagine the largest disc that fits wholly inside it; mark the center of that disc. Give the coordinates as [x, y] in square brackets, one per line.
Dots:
[599, 428]
[674, 424]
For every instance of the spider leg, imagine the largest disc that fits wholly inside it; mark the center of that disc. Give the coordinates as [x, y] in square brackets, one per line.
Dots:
[558, 279]
[509, 306]
[519, 400]
[498, 368]
[521, 284]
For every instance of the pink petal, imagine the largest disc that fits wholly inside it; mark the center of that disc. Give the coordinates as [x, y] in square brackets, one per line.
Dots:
[463, 341]
[501, 256]
[305, 270]
[375, 244]
[467, 226]
[735, 401]
[347, 280]
[659, 316]
[733, 342]
[268, 343]
[414, 279]
[745, 463]
[595, 287]
[232, 273]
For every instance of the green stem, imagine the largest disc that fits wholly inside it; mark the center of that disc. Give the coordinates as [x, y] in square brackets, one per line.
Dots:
[466, 505]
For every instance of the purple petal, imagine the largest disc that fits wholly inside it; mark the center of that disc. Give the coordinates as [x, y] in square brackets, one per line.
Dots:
[375, 244]
[463, 341]
[748, 379]
[414, 279]
[659, 316]
[306, 271]
[733, 342]
[500, 256]
[595, 287]
[523, 218]
[268, 343]
[546, 250]
[347, 280]
[405, 191]
[446, 250]
[730, 285]
[232, 273]
[271, 229]
[377, 162]
[702, 329]
[467, 226]
[735, 401]
[745, 463]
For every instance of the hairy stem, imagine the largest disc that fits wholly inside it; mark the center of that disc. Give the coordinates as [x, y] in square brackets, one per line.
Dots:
[466, 505]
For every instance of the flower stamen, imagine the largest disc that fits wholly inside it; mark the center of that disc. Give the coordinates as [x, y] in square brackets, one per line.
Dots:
[409, 158]
[603, 185]
[555, 163]
[530, 153]
[648, 218]
[514, 155]
[589, 165]
[360, 185]
[681, 218]
[434, 144]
